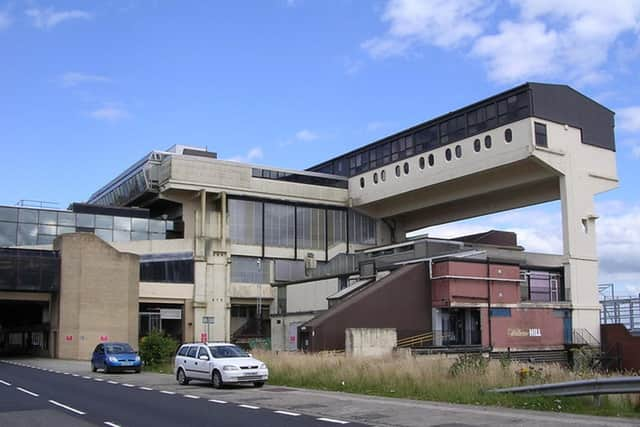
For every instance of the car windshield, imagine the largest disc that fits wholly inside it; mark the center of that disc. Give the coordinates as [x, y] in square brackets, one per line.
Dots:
[220, 351]
[118, 348]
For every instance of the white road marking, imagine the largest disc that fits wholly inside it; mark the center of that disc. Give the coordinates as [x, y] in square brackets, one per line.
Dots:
[167, 392]
[293, 414]
[5, 383]
[191, 396]
[128, 385]
[146, 388]
[86, 378]
[113, 382]
[110, 424]
[249, 406]
[67, 373]
[217, 401]
[75, 375]
[68, 408]
[98, 379]
[331, 420]
[27, 391]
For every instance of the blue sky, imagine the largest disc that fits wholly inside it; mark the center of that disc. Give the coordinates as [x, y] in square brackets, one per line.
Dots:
[88, 88]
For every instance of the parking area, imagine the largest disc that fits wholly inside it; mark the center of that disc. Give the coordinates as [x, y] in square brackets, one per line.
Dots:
[343, 406]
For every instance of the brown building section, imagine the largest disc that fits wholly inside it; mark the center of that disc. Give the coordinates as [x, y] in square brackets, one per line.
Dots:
[98, 299]
[401, 300]
[526, 328]
[621, 348]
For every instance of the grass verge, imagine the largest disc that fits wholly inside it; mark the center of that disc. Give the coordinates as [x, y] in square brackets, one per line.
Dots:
[432, 378]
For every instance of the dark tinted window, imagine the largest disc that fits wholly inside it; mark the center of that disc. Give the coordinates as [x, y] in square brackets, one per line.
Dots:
[375, 177]
[183, 351]
[180, 271]
[117, 348]
[192, 351]
[541, 134]
[398, 170]
[477, 145]
[203, 352]
[221, 351]
[447, 154]
[458, 151]
[487, 141]
[406, 167]
[508, 135]
[421, 163]
[383, 175]
[426, 139]
[432, 160]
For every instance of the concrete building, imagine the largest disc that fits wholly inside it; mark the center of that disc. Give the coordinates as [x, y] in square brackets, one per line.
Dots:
[213, 236]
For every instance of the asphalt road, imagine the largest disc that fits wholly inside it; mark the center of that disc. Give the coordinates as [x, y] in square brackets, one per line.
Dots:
[33, 396]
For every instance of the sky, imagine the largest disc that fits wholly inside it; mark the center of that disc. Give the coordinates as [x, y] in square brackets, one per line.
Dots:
[89, 87]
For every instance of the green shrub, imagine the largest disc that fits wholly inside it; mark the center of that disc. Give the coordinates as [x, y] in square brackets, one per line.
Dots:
[531, 375]
[157, 348]
[469, 364]
[585, 360]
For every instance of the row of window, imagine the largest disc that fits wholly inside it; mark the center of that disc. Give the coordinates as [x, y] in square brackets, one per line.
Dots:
[170, 271]
[299, 178]
[448, 155]
[432, 135]
[280, 225]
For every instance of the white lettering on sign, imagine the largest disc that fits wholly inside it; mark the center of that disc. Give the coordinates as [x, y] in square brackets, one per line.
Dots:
[171, 313]
[535, 332]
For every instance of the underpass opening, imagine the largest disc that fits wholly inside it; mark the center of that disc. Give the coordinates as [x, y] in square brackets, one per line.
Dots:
[24, 328]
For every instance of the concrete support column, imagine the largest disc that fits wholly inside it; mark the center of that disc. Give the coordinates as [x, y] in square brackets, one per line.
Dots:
[579, 241]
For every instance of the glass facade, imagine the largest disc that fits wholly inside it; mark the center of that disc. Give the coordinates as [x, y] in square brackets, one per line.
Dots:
[167, 271]
[248, 270]
[21, 226]
[541, 286]
[28, 270]
[288, 226]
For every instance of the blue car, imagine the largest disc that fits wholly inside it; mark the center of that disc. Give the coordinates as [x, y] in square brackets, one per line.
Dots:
[115, 356]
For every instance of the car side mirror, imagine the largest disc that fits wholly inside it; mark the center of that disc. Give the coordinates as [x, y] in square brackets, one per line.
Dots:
[204, 357]
[250, 355]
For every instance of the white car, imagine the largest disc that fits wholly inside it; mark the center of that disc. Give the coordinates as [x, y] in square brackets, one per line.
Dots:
[219, 363]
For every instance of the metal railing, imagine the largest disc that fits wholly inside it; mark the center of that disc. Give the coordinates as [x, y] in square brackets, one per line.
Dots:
[416, 340]
[595, 387]
[582, 336]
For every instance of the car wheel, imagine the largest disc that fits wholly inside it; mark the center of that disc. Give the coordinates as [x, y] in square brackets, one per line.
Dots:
[216, 380]
[182, 377]
[258, 384]
[93, 367]
[138, 370]
[106, 369]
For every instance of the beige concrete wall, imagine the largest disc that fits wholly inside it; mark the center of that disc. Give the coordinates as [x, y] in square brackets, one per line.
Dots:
[370, 342]
[98, 295]
[310, 296]
[283, 331]
[191, 173]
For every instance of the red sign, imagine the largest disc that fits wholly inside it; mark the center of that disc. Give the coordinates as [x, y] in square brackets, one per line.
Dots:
[203, 337]
[69, 338]
[104, 338]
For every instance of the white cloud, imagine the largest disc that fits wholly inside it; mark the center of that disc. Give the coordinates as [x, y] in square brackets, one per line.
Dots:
[628, 119]
[5, 20]
[72, 79]
[254, 154]
[110, 113]
[571, 39]
[49, 18]
[443, 23]
[305, 135]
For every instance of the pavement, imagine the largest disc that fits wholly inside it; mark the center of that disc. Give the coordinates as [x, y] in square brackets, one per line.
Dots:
[157, 399]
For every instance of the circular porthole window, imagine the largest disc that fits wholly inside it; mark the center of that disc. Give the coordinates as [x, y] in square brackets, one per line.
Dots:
[458, 151]
[406, 168]
[447, 154]
[431, 160]
[508, 135]
[361, 182]
[383, 175]
[477, 145]
[375, 177]
[398, 170]
[421, 162]
[487, 141]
